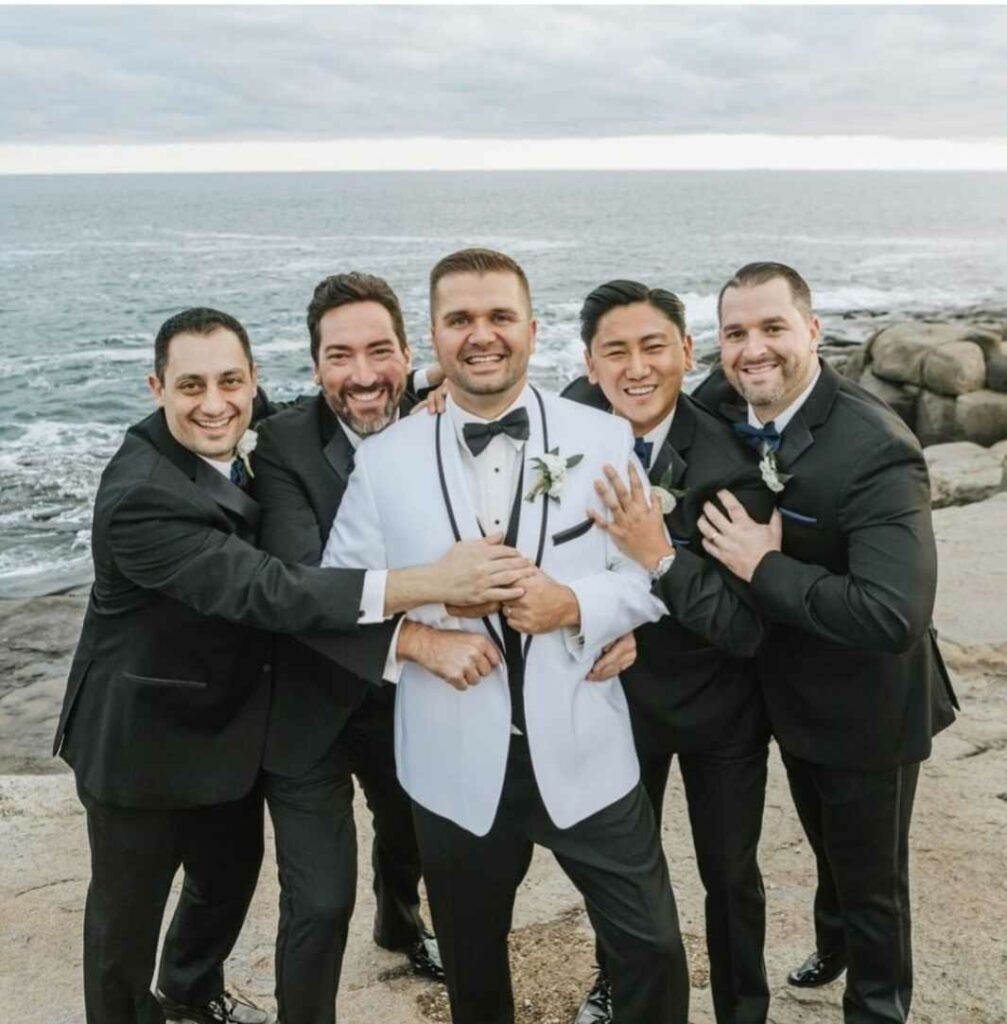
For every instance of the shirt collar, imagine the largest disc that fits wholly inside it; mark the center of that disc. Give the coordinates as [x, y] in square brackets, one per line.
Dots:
[791, 411]
[659, 434]
[222, 467]
[459, 417]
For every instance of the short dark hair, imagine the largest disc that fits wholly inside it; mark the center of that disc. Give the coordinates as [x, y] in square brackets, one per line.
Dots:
[476, 261]
[346, 289]
[759, 273]
[198, 320]
[626, 293]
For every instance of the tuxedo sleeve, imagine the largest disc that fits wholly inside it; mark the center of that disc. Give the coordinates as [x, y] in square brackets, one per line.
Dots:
[289, 529]
[884, 600]
[164, 543]
[706, 598]
[356, 540]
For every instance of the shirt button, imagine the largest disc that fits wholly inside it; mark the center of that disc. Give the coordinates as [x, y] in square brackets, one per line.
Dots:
[496, 522]
[496, 469]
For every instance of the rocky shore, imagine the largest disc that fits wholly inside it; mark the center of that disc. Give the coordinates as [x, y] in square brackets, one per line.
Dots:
[959, 835]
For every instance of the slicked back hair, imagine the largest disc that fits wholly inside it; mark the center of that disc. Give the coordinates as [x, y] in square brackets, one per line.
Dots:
[752, 274]
[345, 289]
[198, 320]
[608, 296]
[476, 261]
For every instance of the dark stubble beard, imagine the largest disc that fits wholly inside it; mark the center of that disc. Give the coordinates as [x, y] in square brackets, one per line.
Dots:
[373, 424]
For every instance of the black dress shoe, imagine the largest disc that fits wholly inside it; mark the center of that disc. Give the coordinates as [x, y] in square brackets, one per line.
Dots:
[425, 956]
[818, 969]
[225, 1009]
[597, 1008]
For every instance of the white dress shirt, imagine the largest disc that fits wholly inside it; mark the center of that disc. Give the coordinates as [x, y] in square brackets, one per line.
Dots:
[658, 436]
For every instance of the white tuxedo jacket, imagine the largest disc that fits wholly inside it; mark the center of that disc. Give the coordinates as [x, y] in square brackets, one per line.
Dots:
[406, 504]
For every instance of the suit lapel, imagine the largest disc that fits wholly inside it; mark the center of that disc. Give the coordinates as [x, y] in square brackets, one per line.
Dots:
[534, 514]
[671, 457]
[798, 435]
[227, 495]
[338, 452]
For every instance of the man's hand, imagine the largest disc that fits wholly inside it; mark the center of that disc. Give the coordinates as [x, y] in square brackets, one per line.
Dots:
[460, 659]
[476, 572]
[434, 403]
[637, 526]
[545, 606]
[615, 658]
[737, 540]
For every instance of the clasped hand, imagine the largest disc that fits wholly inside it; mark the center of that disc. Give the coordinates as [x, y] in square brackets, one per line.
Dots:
[735, 539]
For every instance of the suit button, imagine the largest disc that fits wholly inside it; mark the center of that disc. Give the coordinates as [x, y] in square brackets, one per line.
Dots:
[266, 668]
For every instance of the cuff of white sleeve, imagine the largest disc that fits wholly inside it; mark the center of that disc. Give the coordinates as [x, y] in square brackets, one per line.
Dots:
[574, 640]
[372, 598]
[393, 667]
[420, 380]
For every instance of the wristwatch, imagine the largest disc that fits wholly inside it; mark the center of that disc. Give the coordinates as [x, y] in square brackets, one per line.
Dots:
[662, 566]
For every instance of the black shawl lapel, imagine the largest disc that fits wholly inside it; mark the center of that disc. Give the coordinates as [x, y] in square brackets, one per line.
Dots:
[154, 430]
[679, 440]
[798, 435]
[227, 495]
[336, 446]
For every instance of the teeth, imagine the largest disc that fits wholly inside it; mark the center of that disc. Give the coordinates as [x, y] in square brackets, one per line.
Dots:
[365, 396]
[649, 389]
[213, 424]
[483, 359]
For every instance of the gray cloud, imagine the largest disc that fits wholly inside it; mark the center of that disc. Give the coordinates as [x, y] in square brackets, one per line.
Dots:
[172, 74]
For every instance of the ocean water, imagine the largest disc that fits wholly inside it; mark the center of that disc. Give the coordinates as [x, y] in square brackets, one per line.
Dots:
[91, 265]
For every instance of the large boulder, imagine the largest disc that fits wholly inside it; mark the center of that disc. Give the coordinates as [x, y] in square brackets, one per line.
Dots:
[935, 419]
[955, 368]
[901, 399]
[981, 416]
[996, 371]
[962, 472]
[898, 353]
[1000, 451]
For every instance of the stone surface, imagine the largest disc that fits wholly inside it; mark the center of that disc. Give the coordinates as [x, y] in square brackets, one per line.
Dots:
[935, 418]
[899, 351]
[982, 416]
[1000, 451]
[853, 368]
[962, 472]
[901, 399]
[996, 372]
[954, 369]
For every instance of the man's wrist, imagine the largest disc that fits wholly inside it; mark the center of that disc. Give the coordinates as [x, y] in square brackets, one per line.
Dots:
[409, 640]
[570, 615]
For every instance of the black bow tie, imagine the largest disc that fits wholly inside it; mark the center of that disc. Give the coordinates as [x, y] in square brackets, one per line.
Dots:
[644, 450]
[755, 437]
[478, 435]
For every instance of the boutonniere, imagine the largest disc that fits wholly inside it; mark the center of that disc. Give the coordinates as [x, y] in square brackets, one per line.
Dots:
[551, 469]
[771, 475]
[244, 448]
[667, 496]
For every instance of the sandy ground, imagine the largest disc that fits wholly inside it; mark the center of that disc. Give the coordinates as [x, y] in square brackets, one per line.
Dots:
[958, 862]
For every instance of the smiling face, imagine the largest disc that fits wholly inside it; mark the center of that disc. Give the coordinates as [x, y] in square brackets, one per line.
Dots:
[207, 392]
[361, 367]
[483, 335]
[638, 357]
[768, 345]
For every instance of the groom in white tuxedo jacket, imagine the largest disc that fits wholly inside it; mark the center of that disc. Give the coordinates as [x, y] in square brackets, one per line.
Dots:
[533, 752]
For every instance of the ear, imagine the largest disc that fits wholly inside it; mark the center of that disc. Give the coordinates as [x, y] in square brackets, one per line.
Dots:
[589, 363]
[316, 375]
[254, 378]
[533, 327]
[156, 388]
[687, 349]
[408, 353]
[816, 332]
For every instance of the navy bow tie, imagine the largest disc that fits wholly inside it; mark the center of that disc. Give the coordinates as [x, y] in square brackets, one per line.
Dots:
[643, 449]
[754, 437]
[478, 435]
[239, 474]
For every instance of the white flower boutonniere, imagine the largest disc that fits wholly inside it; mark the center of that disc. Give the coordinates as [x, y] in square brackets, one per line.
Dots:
[771, 475]
[666, 495]
[551, 469]
[244, 448]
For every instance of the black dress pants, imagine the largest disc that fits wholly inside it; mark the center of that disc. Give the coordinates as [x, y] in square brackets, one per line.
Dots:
[725, 791]
[316, 855]
[857, 823]
[614, 859]
[134, 856]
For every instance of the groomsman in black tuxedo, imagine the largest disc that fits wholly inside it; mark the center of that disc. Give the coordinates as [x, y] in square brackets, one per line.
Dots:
[164, 717]
[693, 689]
[325, 723]
[853, 680]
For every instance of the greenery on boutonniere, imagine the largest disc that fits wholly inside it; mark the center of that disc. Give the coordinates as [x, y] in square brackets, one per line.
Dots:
[667, 496]
[551, 469]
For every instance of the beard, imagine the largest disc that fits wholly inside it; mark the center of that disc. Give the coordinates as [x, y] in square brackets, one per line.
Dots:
[363, 425]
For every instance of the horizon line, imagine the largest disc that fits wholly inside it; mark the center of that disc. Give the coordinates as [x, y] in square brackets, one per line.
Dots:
[706, 152]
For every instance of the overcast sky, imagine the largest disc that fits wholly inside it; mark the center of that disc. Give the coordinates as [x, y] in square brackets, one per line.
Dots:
[81, 76]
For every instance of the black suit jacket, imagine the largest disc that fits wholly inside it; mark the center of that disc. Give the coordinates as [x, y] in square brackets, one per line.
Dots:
[302, 464]
[168, 693]
[850, 666]
[693, 687]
